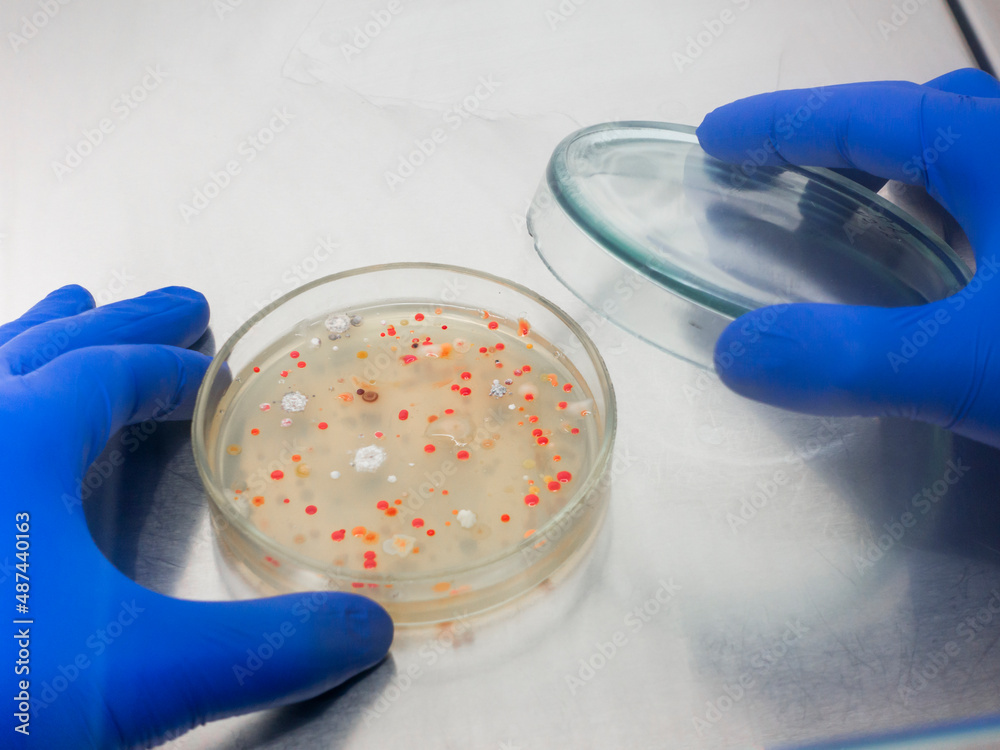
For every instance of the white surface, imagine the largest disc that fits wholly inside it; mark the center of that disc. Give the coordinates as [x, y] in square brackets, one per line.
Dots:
[114, 223]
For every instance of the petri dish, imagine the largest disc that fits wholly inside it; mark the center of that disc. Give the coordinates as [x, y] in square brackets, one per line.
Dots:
[672, 244]
[433, 437]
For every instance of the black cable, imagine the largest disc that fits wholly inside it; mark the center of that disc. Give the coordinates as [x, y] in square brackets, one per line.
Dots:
[971, 37]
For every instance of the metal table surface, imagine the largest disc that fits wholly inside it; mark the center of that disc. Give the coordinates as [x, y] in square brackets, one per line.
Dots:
[786, 624]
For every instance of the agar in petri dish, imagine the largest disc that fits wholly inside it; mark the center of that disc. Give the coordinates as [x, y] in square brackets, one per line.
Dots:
[438, 457]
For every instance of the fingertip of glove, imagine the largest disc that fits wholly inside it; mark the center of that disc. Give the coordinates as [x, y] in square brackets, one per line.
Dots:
[80, 296]
[182, 292]
[728, 129]
[370, 627]
[188, 297]
[756, 358]
[729, 358]
[708, 131]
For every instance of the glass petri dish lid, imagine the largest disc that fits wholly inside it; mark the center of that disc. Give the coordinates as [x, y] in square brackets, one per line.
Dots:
[671, 244]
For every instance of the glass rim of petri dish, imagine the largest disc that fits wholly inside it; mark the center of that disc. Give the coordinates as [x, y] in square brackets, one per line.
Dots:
[711, 241]
[202, 420]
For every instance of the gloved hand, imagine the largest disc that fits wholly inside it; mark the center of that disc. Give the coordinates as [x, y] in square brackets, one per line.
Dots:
[107, 662]
[940, 362]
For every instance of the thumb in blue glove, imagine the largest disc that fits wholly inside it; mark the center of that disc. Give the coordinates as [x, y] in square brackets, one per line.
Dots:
[940, 362]
[98, 660]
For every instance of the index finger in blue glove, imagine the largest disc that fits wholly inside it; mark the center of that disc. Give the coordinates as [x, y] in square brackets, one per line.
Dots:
[965, 81]
[64, 302]
[842, 126]
[896, 130]
[968, 82]
[174, 315]
[933, 363]
[100, 389]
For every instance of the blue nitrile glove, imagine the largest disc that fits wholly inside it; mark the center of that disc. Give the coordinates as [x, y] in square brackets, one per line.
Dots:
[108, 663]
[939, 362]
